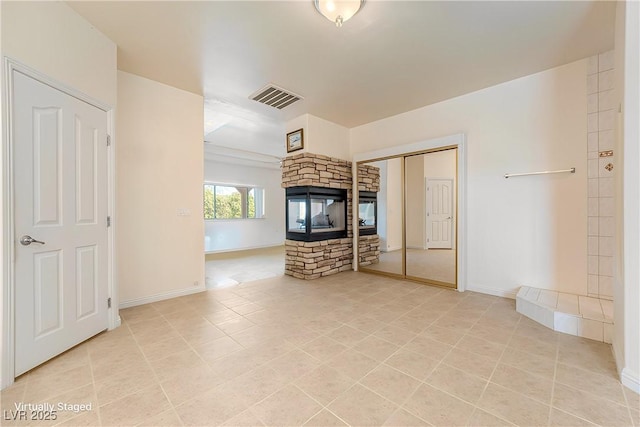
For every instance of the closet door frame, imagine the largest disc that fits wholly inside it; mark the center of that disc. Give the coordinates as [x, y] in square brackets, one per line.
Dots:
[432, 145]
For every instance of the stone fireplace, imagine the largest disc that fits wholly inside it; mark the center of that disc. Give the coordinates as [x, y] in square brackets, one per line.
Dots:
[334, 253]
[318, 243]
[369, 241]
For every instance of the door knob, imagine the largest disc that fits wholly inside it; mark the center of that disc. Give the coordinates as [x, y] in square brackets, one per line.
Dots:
[27, 240]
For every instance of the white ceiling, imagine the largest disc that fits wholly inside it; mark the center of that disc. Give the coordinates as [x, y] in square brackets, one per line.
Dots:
[392, 57]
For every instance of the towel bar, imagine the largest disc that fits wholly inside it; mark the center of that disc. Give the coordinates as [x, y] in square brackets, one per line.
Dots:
[508, 175]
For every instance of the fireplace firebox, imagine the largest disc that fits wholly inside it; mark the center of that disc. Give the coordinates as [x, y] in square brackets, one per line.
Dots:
[316, 213]
[367, 213]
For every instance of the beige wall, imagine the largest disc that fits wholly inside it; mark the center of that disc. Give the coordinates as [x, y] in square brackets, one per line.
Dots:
[4, 376]
[626, 340]
[440, 164]
[618, 339]
[521, 231]
[159, 173]
[52, 39]
[328, 138]
[393, 202]
[415, 211]
[321, 136]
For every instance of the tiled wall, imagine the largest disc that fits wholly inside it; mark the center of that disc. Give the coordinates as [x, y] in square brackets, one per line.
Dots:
[601, 119]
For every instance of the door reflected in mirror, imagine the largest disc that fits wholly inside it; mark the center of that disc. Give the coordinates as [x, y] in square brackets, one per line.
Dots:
[430, 182]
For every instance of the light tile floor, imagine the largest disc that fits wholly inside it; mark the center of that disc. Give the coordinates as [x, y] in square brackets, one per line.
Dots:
[433, 264]
[226, 269]
[350, 349]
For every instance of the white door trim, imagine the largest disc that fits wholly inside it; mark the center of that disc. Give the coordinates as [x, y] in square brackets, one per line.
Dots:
[457, 140]
[8, 279]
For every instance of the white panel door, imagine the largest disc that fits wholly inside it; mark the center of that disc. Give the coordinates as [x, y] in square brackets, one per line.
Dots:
[60, 182]
[439, 220]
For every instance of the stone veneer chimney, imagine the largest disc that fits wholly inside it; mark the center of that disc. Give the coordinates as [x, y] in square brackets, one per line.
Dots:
[369, 246]
[311, 260]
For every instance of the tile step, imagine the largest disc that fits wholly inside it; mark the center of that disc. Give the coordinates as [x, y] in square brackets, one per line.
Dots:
[577, 315]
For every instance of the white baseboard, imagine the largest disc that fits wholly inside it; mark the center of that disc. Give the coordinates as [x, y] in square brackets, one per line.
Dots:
[630, 380]
[160, 297]
[619, 363]
[491, 291]
[118, 323]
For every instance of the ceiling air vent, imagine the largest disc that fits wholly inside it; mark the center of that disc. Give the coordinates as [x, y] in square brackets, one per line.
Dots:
[275, 97]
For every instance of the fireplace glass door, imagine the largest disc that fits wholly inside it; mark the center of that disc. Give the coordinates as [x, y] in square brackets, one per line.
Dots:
[327, 214]
[316, 213]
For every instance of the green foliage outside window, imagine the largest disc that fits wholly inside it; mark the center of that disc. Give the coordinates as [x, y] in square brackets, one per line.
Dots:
[208, 202]
[251, 204]
[226, 202]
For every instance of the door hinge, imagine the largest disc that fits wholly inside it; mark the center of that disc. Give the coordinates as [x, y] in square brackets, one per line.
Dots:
[108, 302]
[108, 140]
[108, 221]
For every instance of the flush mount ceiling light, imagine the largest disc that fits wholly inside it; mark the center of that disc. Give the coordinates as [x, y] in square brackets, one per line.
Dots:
[338, 11]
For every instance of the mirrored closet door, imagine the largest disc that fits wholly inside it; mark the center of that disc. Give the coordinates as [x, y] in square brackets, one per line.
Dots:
[417, 218]
[389, 219]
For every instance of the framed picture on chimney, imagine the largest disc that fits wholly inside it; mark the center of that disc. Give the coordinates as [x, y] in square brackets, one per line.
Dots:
[295, 141]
